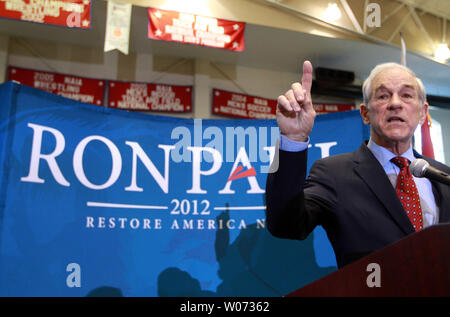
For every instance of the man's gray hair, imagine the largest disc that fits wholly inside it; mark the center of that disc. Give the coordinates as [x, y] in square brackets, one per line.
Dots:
[367, 86]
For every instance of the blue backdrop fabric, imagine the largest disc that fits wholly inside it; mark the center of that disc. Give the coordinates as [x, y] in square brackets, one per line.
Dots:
[97, 201]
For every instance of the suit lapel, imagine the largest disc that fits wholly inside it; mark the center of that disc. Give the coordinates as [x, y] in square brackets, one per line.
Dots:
[440, 191]
[373, 174]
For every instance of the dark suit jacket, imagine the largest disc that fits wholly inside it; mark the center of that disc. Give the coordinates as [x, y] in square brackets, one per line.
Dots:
[348, 194]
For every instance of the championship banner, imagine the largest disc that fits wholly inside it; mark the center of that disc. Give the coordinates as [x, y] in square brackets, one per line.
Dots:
[243, 106]
[70, 13]
[101, 202]
[77, 88]
[252, 107]
[118, 21]
[149, 97]
[330, 108]
[195, 29]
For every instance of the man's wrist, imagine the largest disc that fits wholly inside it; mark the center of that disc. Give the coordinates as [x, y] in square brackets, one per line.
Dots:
[297, 137]
[287, 144]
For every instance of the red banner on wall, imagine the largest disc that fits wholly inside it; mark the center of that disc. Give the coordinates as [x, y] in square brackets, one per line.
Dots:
[150, 97]
[252, 107]
[195, 29]
[78, 88]
[329, 107]
[71, 13]
[243, 106]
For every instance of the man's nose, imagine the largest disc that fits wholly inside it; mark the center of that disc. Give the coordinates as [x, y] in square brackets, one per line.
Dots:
[395, 101]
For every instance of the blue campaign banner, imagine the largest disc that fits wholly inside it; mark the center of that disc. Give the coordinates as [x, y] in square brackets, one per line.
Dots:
[103, 202]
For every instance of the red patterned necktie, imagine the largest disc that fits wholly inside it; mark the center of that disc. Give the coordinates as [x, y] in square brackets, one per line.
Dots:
[407, 192]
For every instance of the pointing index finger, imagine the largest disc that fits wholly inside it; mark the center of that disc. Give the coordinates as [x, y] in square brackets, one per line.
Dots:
[307, 76]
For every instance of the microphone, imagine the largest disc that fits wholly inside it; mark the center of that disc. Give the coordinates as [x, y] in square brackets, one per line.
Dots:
[421, 168]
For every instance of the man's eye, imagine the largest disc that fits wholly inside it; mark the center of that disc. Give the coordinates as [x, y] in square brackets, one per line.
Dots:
[383, 96]
[406, 95]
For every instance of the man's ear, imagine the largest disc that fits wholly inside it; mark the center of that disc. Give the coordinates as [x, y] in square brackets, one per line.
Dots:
[364, 111]
[423, 113]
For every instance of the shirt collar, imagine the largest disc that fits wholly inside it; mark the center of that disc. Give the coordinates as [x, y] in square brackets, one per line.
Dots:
[384, 156]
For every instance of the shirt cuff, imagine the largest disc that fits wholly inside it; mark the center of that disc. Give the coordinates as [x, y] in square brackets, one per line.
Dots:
[289, 145]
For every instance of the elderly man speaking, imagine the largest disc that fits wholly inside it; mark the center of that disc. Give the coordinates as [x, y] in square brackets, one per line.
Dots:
[366, 199]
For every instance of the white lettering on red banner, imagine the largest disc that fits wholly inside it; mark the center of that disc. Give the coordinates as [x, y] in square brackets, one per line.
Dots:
[150, 97]
[328, 108]
[71, 13]
[77, 88]
[252, 107]
[194, 29]
[243, 106]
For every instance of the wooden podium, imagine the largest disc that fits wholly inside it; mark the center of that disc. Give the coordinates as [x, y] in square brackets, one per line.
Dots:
[415, 266]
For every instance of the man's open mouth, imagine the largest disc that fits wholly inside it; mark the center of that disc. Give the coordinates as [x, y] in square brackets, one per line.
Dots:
[395, 119]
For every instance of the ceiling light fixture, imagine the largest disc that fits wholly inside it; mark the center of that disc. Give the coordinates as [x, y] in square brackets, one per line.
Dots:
[332, 13]
[442, 52]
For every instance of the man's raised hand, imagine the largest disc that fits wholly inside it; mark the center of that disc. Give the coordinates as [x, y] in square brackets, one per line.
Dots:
[295, 112]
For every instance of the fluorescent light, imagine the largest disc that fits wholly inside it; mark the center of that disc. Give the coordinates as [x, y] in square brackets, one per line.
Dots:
[442, 52]
[332, 13]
